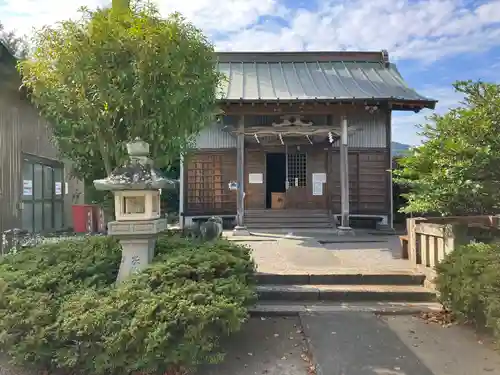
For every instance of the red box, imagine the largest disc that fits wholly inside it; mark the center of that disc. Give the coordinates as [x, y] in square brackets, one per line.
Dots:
[83, 218]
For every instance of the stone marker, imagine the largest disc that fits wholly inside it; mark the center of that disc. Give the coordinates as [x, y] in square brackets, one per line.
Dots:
[211, 229]
[136, 189]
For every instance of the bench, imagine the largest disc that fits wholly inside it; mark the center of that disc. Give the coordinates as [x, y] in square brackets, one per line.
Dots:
[362, 222]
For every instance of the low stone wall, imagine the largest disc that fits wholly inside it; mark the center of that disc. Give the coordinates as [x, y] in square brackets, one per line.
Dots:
[430, 239]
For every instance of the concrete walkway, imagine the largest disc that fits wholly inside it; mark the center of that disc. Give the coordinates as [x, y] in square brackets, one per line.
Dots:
[365, 344]
[346, 343]
[326, 254]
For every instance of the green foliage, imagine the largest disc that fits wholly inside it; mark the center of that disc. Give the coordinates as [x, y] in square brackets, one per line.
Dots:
[167, 318]
[110, 77]
[469, 284]
[455, 172]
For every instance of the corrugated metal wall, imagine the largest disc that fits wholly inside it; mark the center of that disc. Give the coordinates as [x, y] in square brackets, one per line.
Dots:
[371, 130]
[214, 137]
[23, 130]
[10, 169]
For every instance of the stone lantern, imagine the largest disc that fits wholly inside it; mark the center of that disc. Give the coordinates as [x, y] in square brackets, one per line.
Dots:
[136, 189]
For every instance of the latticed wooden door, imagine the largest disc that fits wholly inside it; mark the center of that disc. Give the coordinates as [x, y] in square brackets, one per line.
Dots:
[205, 188]
[296, 193]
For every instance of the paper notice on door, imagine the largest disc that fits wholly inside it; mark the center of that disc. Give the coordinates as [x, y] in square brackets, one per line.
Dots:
[319, 177]
[58, 188]
[255, 178]
[27, 187]
[318, 188]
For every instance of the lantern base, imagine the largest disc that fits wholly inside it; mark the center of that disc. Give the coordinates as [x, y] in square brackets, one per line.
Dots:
[138, 239]
[137, 254]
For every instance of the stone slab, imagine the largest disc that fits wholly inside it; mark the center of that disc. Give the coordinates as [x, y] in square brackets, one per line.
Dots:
[453, 350]
[348, 343]
[307, 256]
[343, 278]
[276, 308]
[345, 293]
[271, 346]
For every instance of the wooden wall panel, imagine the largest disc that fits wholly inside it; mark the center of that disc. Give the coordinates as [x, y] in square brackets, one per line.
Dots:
[255, 162]
[207, 176]
[367, 181]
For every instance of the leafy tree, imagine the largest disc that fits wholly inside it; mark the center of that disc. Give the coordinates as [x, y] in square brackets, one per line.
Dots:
[456, 170]
[120, 73]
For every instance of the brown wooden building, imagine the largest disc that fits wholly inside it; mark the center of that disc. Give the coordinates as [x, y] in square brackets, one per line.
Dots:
[35, 191]
[305, 135]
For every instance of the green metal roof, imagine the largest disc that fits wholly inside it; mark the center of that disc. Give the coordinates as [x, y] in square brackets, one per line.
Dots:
[287, 76]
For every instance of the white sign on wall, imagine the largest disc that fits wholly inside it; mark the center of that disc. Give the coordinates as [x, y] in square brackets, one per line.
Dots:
[317, 188]
[255, 178]
[319, 177]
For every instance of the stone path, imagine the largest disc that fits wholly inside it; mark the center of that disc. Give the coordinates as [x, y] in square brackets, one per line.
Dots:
[365, 344]
[349, 343]
[328, 254]
[271, 346]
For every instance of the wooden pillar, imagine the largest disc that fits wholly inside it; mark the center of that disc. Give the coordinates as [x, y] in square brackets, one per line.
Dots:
[240, 175]
[182, 182]
[344, 175]
[390, 194]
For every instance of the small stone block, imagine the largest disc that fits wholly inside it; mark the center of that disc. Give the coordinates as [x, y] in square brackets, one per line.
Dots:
[240, 231]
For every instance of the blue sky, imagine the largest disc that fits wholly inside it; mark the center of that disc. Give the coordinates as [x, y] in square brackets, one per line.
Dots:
[433, 42]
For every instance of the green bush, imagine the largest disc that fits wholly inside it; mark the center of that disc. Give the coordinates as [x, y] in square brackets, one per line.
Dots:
[469, 284]
[60, 310]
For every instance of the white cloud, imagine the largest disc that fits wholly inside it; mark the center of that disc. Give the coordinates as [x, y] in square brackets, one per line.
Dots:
[425, 30]
[421, 30]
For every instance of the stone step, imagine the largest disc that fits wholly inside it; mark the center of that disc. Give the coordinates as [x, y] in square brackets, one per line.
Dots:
[286, 213]
[289, 225]
[291, 308]
[305, 219]
[346, 293]
[394, 278]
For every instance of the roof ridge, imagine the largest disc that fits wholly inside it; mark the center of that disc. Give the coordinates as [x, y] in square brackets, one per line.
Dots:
[302, 56]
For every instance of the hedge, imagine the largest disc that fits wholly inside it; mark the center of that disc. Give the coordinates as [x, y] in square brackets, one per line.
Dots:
[469, 284]
[60, 309]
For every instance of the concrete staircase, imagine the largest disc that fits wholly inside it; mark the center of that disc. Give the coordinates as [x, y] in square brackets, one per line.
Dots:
[287, 219]
[282, 294]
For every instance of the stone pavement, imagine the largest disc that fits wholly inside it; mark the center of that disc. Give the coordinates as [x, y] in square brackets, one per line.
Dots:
[272, 346]
[348, 343]
[366, 344]
[326, 254]
[355, 344]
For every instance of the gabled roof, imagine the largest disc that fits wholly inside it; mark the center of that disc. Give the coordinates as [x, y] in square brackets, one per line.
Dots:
[309, 76]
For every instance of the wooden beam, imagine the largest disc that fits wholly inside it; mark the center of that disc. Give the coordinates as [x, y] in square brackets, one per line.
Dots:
[316, 107]
[291, 130]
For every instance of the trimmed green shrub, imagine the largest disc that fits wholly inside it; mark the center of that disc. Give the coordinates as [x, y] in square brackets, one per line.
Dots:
[34, 283]
[167, 318]
[469, 284]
